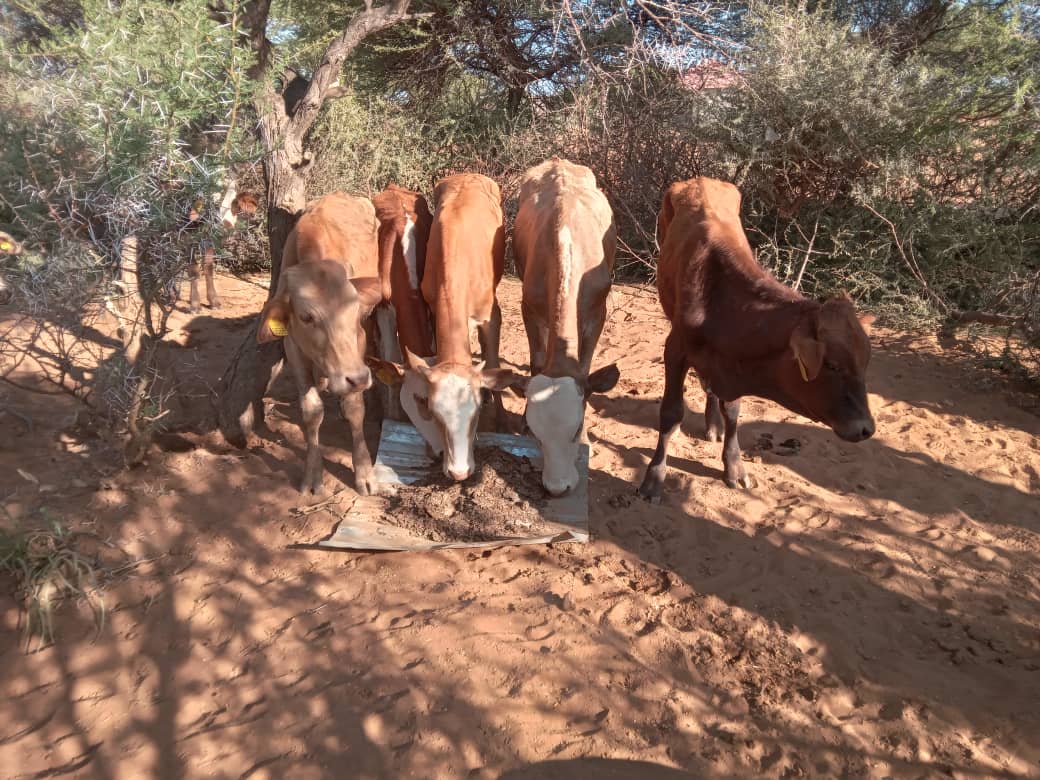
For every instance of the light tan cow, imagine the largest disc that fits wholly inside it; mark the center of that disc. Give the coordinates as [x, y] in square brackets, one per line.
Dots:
[564, 241]
[329, 283]
[464, 262]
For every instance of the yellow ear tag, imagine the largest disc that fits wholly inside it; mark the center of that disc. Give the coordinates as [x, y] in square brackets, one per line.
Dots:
[277, 327]
[801, 367]
[5, 246]
[385, 375]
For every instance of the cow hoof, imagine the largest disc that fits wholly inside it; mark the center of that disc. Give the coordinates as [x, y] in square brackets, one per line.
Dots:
[747, 482]
[651, 491]
[713, 434]
[216, 304]
[312, 487]
[366, 485]
[194, 309]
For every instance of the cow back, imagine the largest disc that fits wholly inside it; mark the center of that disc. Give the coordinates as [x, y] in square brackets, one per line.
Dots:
[337, 227]
[564, 242]
[465, 258]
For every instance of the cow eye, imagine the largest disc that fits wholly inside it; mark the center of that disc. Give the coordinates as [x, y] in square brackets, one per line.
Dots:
[830, 366]
[422, 404]
[307, 319]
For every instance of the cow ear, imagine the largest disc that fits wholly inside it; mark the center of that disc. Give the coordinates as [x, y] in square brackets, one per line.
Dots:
[808, 352]
[498, 379]
[386, 372]
[416, 363]
[602, 380]
[274, 319]
[866, 320]
[369, 290]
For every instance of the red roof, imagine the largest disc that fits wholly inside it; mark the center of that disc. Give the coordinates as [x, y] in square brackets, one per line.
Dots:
[709, 74]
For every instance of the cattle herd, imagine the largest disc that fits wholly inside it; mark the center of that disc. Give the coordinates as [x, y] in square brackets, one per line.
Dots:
[413, 284]
[387, 272]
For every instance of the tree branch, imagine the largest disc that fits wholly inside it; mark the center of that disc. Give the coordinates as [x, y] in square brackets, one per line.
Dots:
[365, 23]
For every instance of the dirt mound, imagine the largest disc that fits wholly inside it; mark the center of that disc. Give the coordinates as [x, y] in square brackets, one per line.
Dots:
[501, 499]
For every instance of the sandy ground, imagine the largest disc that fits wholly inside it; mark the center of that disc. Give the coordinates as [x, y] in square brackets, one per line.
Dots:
[869, 610]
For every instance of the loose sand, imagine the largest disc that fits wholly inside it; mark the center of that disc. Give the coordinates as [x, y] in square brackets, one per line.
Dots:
[869, 610]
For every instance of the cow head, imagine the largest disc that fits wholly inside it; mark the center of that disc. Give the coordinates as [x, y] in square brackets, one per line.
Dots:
[826, 368]
[235, 204]
[320, 308]
[244, 206]
[556, 416]
[443, 402]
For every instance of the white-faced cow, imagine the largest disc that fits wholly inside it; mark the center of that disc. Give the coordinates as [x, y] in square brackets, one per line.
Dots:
[564, 242]
[403, 319]
[744, 333]
[464, 263]
[233, 205]
[329, 283]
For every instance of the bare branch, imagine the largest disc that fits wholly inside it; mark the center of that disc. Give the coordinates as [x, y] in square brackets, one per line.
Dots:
[365, 23]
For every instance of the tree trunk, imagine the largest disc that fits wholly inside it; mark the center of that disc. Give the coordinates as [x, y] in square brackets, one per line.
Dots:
[254, 366]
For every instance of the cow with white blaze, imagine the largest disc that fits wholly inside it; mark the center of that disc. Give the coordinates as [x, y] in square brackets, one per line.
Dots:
[564, 242]
[465, 258]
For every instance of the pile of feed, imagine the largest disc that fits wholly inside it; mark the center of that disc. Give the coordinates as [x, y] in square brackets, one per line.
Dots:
[501, 499]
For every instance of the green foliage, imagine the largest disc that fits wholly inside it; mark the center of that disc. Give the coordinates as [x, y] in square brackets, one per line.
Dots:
[117, 124]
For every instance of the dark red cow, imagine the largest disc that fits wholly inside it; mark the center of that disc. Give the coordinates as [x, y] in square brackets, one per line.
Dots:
[744, 333]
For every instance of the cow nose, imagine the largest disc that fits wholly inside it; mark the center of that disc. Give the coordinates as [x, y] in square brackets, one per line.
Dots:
[857, 430]
[558, 489]
[359, 380]
[457, 475]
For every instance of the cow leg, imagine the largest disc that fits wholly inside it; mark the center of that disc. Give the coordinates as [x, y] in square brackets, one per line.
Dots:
[672, 408]
[736, 476]
[209, 260]
[194, 271]
[536, 339]
[388, 348]
[713, 419]
[489, 333]
[312, 411]
[353, 407]
[587, 341]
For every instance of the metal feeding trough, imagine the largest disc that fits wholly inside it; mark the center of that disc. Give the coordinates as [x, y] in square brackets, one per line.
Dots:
[403, 460]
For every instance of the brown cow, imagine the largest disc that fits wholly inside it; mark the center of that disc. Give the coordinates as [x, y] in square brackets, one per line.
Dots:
[464, 263]
[403, 319]
[404, 232]
[329, 283]
[233, 204]
[564, 242]
[744, 333]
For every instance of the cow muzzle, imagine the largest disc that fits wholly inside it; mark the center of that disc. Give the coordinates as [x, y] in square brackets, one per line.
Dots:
[350, 382]
[557, 486]
[859, 429]
[457, 474]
